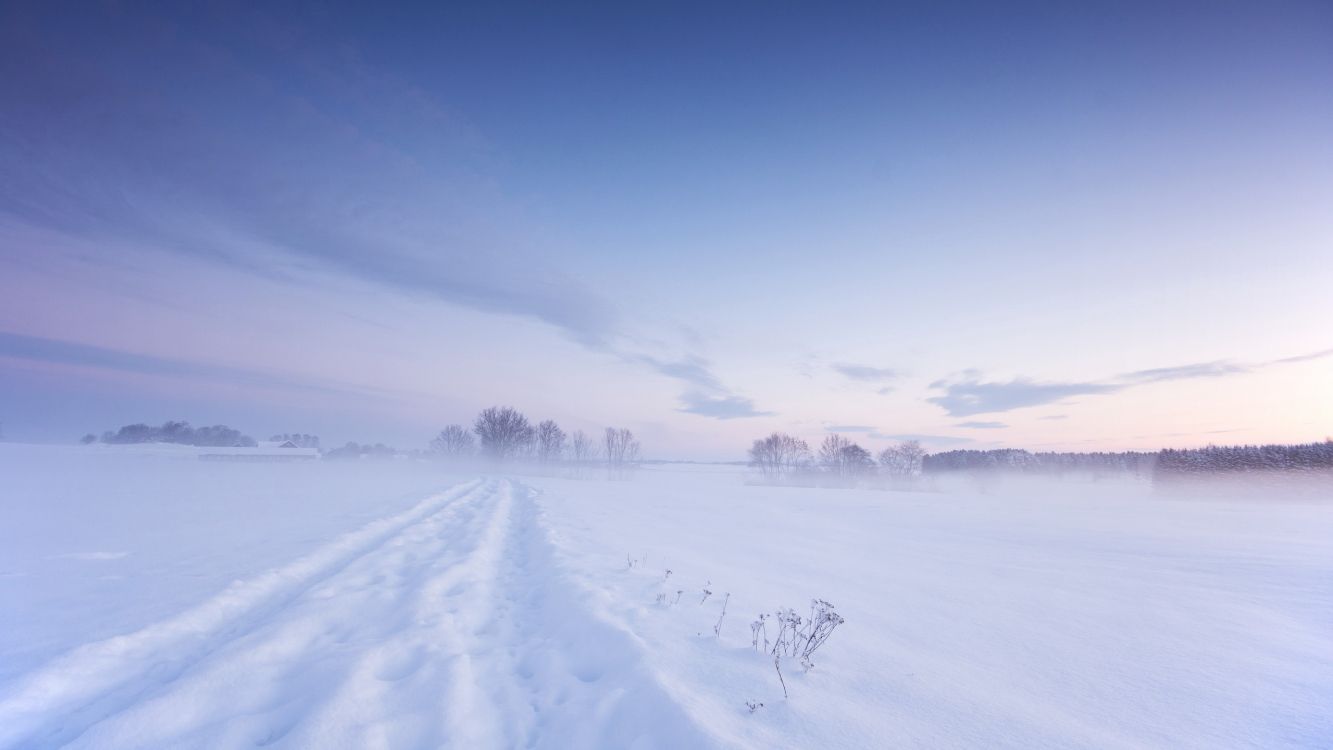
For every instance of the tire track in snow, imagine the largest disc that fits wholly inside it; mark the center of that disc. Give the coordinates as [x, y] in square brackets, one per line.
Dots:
[574, 680]
[55, 703]
[455, 628]
[414, 686]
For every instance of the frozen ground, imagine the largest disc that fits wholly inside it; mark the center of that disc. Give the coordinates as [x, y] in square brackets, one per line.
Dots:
[156, 601]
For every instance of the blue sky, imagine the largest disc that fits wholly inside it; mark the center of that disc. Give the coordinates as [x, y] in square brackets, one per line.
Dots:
[1042, 225]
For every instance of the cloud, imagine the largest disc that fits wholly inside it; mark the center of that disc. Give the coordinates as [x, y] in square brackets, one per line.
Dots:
[874, 433]
[319, 172]
[983, 425]
[865, 372]
[39, 349]
[1053, 417]
[692, 369]
[719, 407]
[1216, 369]
[850, 428]
[1304, 357]
[940, 440]
[971, 396]
[886, 390]
[705, 395]
[320, 166]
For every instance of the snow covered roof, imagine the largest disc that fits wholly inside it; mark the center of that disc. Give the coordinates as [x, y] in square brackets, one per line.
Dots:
[262, 452]
[277, 444]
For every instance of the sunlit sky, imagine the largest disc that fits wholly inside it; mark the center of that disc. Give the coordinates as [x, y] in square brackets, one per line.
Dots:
[1048, 226]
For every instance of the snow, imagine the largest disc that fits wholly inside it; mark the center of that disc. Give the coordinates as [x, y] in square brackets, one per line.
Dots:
[99, 541]
[153, 600]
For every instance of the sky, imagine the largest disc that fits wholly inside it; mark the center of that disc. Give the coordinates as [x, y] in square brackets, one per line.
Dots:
[1055, 226]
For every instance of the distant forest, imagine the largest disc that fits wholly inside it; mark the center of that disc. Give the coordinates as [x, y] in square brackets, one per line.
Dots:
[1010, 459]
[1164, 464]
[1214, 459]
[781, 458]
[1311, 457]
[499, 433]
[504, 433]
[181, 433]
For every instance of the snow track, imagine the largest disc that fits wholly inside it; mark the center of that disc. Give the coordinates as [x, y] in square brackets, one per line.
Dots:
[446, 625]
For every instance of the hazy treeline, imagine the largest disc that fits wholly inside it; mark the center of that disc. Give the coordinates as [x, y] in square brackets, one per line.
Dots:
[1213, 459]
[785, 458]
[1017, 460]
[1216, 459]
[503, 434]
[498, 434]
[359, 451]
[179, 432]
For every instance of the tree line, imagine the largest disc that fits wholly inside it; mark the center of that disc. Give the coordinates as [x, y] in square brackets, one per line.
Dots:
[783, 457]
[178, 432]
[1018, 460]
[502, 433]
[1236, 459]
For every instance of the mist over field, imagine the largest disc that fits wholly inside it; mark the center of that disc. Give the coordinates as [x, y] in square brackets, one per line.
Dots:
[590, 375]
[166, 601]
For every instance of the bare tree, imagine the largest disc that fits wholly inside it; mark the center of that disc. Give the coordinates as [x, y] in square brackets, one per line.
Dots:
[857, 461]
[550, 442]
[903, 461]
[831, 453]
[453, 441]
[582, 450]
[779, 455]
[581, 447]
[622, 450]
[504, 432]
[843, 458]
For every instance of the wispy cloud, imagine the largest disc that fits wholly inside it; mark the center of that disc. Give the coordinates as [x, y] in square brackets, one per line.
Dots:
[286, 184]
[1216, 369]
[691, 369]
[865, 372]
[983, 425]
[938, 440]
[282, 175]
[875, 433]
[1304, 357]
[964, 398]
[967, 394]
[705, 395]
[39, 349]
[849, 428]
[719, 407]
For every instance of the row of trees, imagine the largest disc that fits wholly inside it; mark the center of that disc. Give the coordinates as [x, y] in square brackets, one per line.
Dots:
[781, 456]
[179, 432]
[502, 433]
[1310, 457]
[1017, 460]
[784, 457]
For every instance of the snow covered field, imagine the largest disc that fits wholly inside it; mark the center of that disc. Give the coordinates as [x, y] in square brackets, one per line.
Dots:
[152, 600]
